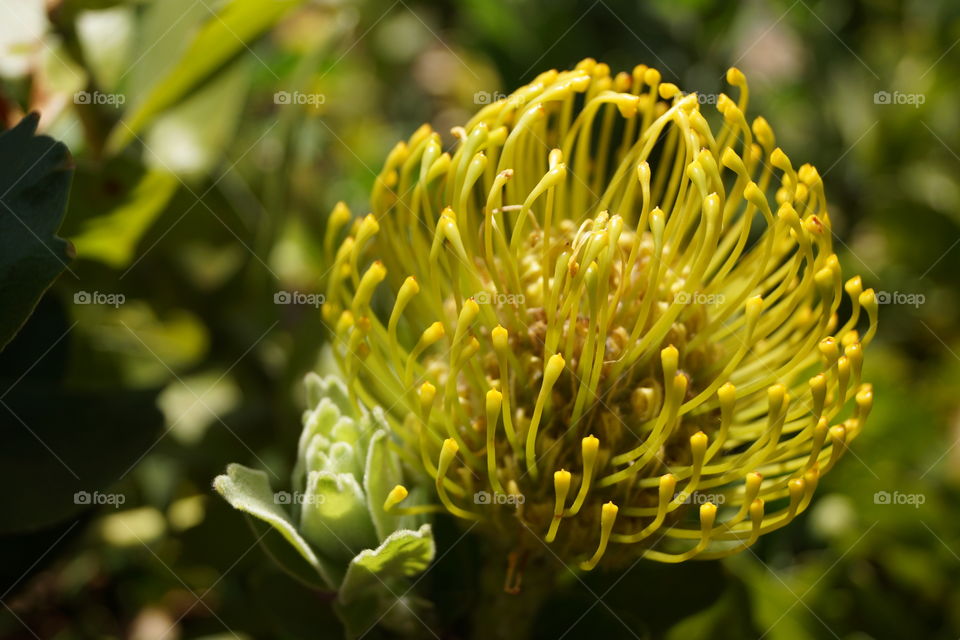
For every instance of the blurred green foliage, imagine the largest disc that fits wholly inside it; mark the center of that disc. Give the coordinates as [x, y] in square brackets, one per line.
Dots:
[200, 191]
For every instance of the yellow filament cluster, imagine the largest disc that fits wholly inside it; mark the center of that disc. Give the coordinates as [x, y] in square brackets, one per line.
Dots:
[604, 320]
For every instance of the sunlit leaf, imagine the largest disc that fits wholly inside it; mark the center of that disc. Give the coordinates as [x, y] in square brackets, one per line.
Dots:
[225, 35]
[112, 238]
[189, 138]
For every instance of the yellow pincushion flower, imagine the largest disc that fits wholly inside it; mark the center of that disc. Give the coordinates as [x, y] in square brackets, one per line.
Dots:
[603, 324]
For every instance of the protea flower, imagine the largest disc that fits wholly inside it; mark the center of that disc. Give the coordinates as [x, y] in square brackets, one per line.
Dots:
[601, 324]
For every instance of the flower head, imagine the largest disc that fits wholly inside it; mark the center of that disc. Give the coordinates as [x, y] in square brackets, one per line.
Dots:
[613, 321]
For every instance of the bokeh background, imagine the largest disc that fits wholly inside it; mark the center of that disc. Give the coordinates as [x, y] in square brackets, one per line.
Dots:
[200, 191]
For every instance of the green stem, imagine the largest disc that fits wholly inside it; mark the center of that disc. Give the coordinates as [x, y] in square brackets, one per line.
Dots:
[503, 615]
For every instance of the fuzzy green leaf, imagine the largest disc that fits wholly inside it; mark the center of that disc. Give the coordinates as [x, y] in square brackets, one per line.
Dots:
[331, 387]
[403, 554]
[334, 515]
[248, 490]
[383, 473]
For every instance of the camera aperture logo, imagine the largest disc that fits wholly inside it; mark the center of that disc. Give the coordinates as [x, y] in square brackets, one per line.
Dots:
[98, 297]
[314, 300]
[97, 498]
[297, 497]
[897, 498]
[485, 497]
[298, 97]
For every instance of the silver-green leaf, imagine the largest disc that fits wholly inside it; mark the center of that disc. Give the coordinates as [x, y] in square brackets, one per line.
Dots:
[248, 490]
[403, 554]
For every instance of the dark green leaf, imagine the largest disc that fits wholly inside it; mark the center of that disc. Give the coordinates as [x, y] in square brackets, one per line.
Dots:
[35, 174]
